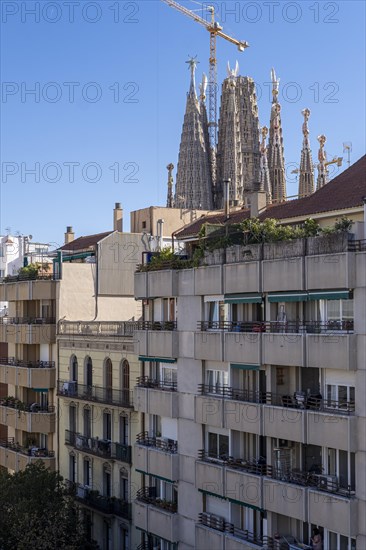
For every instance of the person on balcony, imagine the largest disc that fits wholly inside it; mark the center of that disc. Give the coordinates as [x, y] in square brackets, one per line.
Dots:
[316, 540]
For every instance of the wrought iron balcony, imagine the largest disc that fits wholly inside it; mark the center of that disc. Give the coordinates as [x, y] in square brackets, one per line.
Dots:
[148, 495]
[99, 394]
[98, 447]
[146, 382]
[105, 504]
[161, 443]
[12, 362]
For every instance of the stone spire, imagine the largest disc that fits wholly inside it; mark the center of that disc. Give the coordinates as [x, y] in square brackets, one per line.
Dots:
[322, 168]
[306, 181]
[194, 176]
[276, 160]
[169, 200]
[238, 154]
[265, 182]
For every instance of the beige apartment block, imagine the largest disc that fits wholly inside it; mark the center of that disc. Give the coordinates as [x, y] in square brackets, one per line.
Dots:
[252, 388]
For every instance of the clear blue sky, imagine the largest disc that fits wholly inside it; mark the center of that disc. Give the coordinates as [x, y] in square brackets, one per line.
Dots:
[142, 47]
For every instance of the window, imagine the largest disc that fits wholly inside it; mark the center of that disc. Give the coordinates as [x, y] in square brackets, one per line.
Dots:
[73, 368]
[87, 472]
[124, 538]
[72, 418]
[168, 376]
[106, 481]
[342, 465]
[108, 379]
[88, 373]
[169, 309]
[216, 314]
[215, 380]
[123, 430]
[218, 445]
[87, 422]
[106, 535]
[72, 468]
[340, 397]
[123, 485]
[125, 375]
[107, 426]
[337, 313]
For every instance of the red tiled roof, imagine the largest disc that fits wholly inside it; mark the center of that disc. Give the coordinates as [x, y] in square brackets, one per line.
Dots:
[85, 243]
[347, 190]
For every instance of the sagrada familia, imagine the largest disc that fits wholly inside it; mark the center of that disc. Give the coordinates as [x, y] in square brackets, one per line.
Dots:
[242, 162]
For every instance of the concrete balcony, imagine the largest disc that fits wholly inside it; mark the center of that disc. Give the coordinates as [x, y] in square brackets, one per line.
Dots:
[290, 499]
[330, 271]
[156, 462]
[37, 422]
[331, 350]
[207, 537]
[208, 345]
[285, 423]
[162, 283]
[17, 461]
[337, 431]
[39, 289]
[27, 374]
[244, 417]
[242, 347]
[140, 342]
[208, 280]
[210, 410]
[210, 477]
[163, 343]
[243, 486]
[333, 512]
[140, 285]
[242, 277]
[155, 401]
[28, 334]
[157, 521]
[284, 349]
[286, 274]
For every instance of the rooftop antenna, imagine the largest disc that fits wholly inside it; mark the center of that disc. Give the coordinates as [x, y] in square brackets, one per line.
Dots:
[347, 148]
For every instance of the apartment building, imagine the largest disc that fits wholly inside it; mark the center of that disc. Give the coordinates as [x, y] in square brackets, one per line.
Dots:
[252, 386]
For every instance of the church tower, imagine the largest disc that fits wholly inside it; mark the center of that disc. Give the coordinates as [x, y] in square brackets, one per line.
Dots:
[276, 160]
[194, 173]
[238, 153]
[265, 182]
[306, 181]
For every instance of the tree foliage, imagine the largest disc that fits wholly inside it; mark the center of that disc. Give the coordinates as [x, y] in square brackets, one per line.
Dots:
[37, 511]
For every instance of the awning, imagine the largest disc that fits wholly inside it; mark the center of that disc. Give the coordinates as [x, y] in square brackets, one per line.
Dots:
[288, 297]
[244, 366]
[156, 359]
[231, 500]
[243, 299]
[154, 475]
[330, 295]
[42, 390]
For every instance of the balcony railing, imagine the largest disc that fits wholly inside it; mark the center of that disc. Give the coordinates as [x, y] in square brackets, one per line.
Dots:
[99, 447]
[314, 479]
[299, 400]
[146, 382]
[275, 327]
[27, 320]
[105, 504]
[148, 495]
[161, 443]
[12, 362]
[156, 325]
[33, 450]
[219, 524]
[101, 329]
[357, 246]
[99, 394]
[14, 403]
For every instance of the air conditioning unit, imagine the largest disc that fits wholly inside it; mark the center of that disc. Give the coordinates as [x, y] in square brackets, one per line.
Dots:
[328, 483]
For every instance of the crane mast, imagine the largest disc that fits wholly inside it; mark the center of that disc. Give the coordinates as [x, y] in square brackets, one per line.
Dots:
[215, 30]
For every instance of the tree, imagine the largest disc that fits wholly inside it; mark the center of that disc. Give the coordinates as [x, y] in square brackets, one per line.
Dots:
[38, 511]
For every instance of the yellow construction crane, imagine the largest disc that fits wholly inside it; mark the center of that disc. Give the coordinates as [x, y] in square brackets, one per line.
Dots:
[215, 30]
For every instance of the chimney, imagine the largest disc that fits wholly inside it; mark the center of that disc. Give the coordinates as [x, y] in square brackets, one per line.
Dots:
[118, 218]
[257, 201]
[69, 235]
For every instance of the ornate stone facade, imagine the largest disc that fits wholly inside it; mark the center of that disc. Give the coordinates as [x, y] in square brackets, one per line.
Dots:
[306, 181]
[276, 159]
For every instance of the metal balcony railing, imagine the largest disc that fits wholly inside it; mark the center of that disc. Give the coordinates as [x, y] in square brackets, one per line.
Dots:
[313, 479]
[160, 443]
[27, 320]
[27, 277]
[98, 447]
[146, 382]
[33, 450]
[12, 362]
[275, 327]
[96, 328]
[299, 400]
[156, 325]
[105, 504]
[357, 246]
[220, 524]
[148, 495]
[99, 394]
